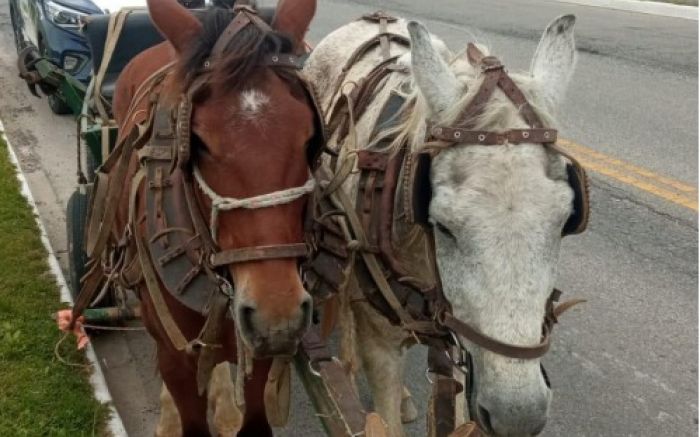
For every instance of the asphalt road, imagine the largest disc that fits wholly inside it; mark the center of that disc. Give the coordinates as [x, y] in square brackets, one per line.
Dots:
[623, 364]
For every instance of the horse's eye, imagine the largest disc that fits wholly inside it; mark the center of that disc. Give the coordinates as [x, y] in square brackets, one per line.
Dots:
[444, 231]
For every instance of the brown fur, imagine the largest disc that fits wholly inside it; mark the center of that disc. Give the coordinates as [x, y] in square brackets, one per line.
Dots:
[239, 157]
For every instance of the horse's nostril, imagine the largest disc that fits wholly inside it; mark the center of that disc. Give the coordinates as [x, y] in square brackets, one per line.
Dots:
[306, 309]
[538, 429]
[246, 313]
[485, 419]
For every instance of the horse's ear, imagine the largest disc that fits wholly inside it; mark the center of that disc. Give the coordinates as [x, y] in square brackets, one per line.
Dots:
[437, 83]
[175, 22]
[293, 18]
[554, 60]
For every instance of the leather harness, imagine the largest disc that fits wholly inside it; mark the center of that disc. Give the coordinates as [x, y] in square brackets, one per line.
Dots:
[387, 180]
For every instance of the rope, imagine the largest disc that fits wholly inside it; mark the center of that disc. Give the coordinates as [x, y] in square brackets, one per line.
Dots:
[62, 360]
[221, 203]
[113, 328]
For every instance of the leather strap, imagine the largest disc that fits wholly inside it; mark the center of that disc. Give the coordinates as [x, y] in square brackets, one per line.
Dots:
[511, 90]
[509, 350]
[206, 344]
[247, 15]
[164, 316]
[335, 383]
[239, 22]
[115, 26]
[277, 393]
[482, 96]
[467, 429]
[358, 54]
[495, 76]
[101, 221]
[487, 138]
[284, 60]
[371, 261]
[257, 253]
[441, 413]
[493, 345]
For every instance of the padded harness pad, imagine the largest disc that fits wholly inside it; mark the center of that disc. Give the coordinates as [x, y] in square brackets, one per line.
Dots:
[173, 243]
[578, 180]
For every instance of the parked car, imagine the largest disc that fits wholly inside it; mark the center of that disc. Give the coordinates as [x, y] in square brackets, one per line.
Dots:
[53, 26]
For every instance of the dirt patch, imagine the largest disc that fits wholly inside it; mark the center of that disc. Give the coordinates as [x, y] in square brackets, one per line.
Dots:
[24, 143]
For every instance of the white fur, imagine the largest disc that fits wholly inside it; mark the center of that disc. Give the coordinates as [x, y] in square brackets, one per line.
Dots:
[554, 60]
[253, 103]
[169, 424]
[227, 417]
[505, 206]
[221, 401]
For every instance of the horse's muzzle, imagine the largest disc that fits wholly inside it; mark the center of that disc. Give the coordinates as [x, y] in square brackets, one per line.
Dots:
[273, 338]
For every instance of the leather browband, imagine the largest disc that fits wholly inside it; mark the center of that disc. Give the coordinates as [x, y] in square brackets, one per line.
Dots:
[495, 76]
[513, 136]
[257, 253]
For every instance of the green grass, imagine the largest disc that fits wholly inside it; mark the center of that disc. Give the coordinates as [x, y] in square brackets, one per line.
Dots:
[39, 396]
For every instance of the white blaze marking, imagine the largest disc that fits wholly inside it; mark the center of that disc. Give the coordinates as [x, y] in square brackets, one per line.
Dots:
[253, 101]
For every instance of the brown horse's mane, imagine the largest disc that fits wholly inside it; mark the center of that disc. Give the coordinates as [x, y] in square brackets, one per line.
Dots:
[242, 57]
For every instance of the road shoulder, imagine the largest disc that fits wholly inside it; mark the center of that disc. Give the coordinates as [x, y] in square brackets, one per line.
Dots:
[643, 7]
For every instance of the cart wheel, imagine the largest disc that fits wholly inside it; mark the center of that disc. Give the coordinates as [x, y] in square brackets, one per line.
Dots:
[76, 222]
[91, 164]
[76, 215]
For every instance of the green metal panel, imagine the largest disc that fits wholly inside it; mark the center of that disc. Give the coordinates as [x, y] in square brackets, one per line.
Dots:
[72, 90]
[93, 137]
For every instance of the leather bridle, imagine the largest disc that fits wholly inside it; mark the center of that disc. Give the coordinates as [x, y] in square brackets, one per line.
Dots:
[462, 132]
[449, 321]
[495, 76]
[245, 16]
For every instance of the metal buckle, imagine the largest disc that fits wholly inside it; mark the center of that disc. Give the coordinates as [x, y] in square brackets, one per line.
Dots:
[196, 345]
[317, 373]
[427, 375]
[489, 63]
[462, 361]
[225, 286]
[244, 8]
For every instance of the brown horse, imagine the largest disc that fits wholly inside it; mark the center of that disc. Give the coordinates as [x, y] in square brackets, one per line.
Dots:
[249, 129]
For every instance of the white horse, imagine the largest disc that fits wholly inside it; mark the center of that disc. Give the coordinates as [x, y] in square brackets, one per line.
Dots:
[498, 212]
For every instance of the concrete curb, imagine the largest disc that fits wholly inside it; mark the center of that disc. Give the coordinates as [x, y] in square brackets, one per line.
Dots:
[643, 7]
[97, 379]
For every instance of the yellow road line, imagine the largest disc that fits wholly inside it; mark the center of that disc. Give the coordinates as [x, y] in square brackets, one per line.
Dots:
[641, 178]
[643, 172]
